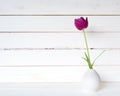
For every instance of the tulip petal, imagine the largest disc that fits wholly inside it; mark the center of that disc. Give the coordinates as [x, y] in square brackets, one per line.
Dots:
[81, 23]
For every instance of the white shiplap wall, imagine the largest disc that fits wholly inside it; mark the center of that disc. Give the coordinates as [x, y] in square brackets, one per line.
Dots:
[39, 43]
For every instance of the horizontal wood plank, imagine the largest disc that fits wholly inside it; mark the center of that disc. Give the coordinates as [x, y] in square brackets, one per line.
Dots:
[58, 40]
[56, 57]
[57, 23]
[56, 89]
[54, 74]
[59, 7]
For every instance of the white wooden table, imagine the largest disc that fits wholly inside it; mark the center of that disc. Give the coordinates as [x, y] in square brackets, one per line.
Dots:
[55, 89]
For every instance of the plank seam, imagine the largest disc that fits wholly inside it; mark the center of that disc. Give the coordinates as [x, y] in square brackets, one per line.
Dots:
[53, 82]
[59, 14]
[58, 65]
[59, 32]
[20, 49]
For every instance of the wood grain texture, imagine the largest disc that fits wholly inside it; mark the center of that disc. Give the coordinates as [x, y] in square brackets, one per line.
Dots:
[57, 23]
[56, 57]
[55, 89]
[39, 42]
[59, 40]
[54, 74]
[59, 7]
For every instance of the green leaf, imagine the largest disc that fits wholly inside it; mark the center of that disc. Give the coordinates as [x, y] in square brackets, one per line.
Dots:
[98, 57]
[84, 58]
[88, 61]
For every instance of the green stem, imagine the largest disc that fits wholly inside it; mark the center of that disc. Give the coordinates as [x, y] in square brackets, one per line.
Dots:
[86, 44]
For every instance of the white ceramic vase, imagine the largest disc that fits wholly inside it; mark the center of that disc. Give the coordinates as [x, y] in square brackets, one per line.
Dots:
[90, 81]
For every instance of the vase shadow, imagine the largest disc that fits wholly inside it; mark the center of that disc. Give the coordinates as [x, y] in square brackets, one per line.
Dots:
[102, 86]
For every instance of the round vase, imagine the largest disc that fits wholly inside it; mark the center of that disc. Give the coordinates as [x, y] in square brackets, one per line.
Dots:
[91, 81]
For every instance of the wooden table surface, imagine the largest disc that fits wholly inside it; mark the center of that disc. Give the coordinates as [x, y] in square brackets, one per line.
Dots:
[56, 89]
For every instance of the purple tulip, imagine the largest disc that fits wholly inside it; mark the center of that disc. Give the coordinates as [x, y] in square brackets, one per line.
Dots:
[81, 23]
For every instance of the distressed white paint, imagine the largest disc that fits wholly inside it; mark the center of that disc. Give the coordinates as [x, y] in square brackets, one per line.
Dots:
[57, 23]
[56, 57]
[59, 40]
[54, 74]
[59, 7]
[24, 39]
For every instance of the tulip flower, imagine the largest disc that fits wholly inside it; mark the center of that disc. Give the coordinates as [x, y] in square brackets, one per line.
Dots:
[82, 24]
